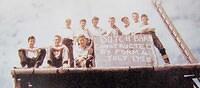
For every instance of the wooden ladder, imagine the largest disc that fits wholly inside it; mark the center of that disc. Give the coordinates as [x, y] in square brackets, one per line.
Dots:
[174, 33]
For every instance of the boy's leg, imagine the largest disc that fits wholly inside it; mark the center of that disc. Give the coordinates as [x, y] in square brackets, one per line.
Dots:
[40, 58]
[160, 47]
[69, 44]
[50, 59]
[22, 56]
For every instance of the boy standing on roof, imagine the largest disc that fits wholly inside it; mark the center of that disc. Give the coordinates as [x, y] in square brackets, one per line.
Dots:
[146, 28]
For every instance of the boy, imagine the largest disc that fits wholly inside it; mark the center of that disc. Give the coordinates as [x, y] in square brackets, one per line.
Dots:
[58, 54]
[82, 53]
[146, 28]
[68, 32]
[113, 30]
[136, 23]
[82, 30]
[31, 56]
[126, 29]
[95, 30]
[68, 37]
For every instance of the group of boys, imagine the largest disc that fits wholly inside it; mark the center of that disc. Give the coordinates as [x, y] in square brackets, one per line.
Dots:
[75, 48]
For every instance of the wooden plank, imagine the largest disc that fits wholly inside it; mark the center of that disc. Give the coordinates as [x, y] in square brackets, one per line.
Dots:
[184, 69]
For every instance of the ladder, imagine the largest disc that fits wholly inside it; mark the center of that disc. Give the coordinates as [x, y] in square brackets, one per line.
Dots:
[174, 33]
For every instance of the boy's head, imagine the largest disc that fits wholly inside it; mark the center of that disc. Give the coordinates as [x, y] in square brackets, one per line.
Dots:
[95, 21]
[57, 40]
[125, 20]
[31, 41]
[68, 22]
[83, 23]
[144, 18]
[135, 16]
[82, 41]
[111, 21]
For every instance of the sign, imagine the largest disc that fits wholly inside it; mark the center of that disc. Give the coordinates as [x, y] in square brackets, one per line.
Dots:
[123, 51]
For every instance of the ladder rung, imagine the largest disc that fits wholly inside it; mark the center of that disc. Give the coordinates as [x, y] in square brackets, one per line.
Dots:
[163, 17]
[171, 27]
[186, 52]
[182, 45]
[168, 23]
[160, 10]
[178, 40]
[174, 33]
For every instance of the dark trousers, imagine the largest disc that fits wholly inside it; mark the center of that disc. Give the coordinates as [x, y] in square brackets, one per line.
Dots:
[31, 62]
[55, 61]
[69, 44]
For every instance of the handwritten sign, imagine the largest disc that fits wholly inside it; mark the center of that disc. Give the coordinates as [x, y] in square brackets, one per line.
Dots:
[123, 51]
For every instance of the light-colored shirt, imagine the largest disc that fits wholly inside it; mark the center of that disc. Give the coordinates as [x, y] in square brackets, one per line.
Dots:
[126, 30]
[81, 31]
[67, 33]
[96, 31]
[144, 27]
[31, 52]
[80, 52]
[136, 27]
[113, 32]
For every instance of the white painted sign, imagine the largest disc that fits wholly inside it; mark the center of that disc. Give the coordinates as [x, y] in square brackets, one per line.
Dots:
[123, 51]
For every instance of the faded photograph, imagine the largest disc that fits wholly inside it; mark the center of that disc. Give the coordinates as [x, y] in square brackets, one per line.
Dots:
[99, 44]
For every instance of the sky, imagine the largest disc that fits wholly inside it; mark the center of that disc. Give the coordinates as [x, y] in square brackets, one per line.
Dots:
[44, 18]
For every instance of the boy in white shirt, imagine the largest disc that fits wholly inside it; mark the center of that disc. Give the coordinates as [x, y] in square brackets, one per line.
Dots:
[95, 30]
[145, 25]
[31, 56]
[68, 37]
[68, 32]
[146, 28]
[82, 53]
[126, 30]
[136, 23]
[82, 30]
[58, 54]
[113, 30]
